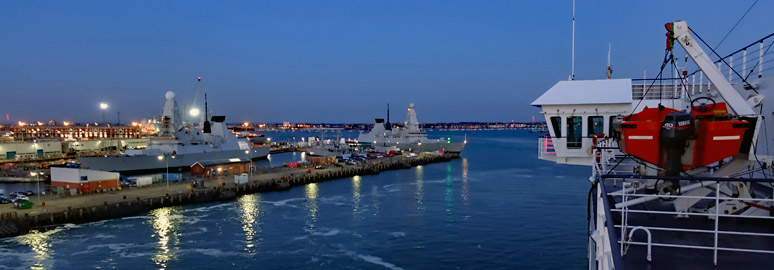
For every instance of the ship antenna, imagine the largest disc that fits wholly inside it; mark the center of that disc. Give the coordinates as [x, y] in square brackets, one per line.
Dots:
[572, 61]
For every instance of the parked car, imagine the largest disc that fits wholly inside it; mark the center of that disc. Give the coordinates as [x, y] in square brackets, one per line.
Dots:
[320, 167]
[351, 162]
[28, 193]
[19, 197]
[4, 200]
[338, 165]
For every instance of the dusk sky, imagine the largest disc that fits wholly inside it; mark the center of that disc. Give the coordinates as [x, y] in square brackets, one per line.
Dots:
[333, 61]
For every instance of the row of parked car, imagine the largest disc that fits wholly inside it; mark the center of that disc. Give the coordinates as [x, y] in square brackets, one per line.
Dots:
[15, 197]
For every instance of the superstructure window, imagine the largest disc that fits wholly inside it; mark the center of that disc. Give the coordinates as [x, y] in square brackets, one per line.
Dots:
[613, 133]
[556, 124]
[596, 125]
[574, 132]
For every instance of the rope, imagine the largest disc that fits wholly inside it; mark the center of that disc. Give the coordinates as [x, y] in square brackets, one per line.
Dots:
[644, 94]
[737, 23]
[724, 61]
[764, 54]
[682, 83]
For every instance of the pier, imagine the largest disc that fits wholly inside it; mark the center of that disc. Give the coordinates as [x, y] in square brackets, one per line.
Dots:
[58, 211]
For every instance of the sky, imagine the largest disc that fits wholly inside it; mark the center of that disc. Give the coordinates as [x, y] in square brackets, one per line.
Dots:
[333, 61]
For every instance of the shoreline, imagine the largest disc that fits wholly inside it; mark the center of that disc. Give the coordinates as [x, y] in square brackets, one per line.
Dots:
[136, 201]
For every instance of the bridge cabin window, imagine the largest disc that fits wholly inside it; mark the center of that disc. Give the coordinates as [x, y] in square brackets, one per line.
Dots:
[574, 132]
[613, 133]
[596, 125]
[556, 125]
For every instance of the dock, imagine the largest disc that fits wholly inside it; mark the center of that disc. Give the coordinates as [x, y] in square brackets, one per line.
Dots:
[136, 201]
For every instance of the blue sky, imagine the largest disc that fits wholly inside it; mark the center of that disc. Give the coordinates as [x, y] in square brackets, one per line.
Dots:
[332, 61]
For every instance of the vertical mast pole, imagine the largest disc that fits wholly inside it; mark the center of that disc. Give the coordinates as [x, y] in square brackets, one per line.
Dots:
[572, 62]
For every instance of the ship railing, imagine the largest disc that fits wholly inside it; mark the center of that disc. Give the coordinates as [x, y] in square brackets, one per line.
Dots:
[745, 64]
[628, 197]
[546, 148]
[741, 67]
[604, 250]
[609, 160]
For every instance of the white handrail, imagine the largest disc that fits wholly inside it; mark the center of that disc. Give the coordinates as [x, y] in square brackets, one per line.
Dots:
[649, 237]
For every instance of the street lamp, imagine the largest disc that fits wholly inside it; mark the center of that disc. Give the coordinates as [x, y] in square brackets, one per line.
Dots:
[103, 106]
[250, 165]
[162, 157]
[37, 176]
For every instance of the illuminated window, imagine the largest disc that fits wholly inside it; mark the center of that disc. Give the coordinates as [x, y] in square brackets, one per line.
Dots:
[596, 125]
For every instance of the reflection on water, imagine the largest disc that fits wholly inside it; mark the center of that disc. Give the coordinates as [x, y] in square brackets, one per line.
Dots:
[465, 193]
[449, 192]
[40, 243]
[251, 211]
[311, 202]
[420, 193]
[375, 196]
[355, 193]
[303, 156]
[165, 228]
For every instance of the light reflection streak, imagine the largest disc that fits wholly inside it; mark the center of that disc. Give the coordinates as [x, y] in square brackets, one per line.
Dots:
[40, 243]
[355, 193]
[465, 192]
[375, 196]
[449, 191]
[166, 231]
[420, 193]
[311, 202]
[251, 211]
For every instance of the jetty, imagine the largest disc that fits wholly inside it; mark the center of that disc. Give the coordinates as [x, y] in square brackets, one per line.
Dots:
[50, 211]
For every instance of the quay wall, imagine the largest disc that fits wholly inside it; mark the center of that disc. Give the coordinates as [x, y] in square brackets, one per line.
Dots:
[14, 224]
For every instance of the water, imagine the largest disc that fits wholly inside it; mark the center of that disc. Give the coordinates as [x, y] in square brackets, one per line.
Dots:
[497, 207]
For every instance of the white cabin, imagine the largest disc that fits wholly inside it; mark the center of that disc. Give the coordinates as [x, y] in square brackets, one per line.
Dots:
[576, 111]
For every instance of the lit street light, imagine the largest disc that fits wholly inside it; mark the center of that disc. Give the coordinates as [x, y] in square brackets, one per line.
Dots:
[166, 176]
[103, 106]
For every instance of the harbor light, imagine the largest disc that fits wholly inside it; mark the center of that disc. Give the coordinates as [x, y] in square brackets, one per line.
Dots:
[194, 112]
[103, 106]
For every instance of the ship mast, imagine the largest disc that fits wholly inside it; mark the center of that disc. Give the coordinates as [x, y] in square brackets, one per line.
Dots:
[572, 61]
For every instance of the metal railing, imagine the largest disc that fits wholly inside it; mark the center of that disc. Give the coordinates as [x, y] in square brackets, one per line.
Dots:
[744, 65]
[748, 63]
[628, 196]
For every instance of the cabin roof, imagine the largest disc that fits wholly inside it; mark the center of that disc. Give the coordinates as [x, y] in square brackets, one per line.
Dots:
[587, 92]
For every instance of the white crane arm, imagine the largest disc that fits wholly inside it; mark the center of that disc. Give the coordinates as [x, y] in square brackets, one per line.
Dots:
[735, 101]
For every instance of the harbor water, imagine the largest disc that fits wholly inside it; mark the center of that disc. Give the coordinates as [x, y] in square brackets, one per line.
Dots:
[496, 207]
